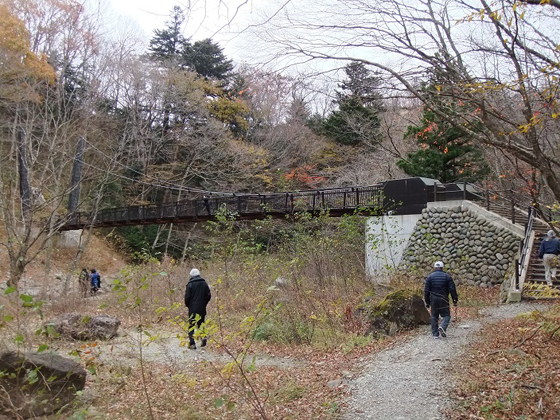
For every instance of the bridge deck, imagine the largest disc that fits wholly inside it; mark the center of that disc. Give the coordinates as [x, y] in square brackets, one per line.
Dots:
[251, 206]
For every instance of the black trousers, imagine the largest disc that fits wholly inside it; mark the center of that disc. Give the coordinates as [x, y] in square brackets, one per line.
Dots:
[439, 307]
[195, 320]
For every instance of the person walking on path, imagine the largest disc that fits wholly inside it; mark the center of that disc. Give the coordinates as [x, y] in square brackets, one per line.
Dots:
[439, 285]
[548, 252]
[84, 281]
[197, 296]
[95, 281]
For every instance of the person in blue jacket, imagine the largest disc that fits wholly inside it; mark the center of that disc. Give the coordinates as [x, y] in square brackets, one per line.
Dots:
[197, 296]
[548, 252]
[95, 279]
[439, 285]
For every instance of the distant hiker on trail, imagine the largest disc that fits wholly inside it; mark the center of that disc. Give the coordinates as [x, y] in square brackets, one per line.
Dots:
[549, 251]
[95, 281]
[438, 286]
[84, 282]
[197, 296]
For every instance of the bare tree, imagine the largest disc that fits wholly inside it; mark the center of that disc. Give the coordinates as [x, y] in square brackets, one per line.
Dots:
[47, 110]
[498, 59]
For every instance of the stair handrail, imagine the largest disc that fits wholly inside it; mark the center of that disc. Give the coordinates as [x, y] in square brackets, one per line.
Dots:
[508, 199]
[524, 245]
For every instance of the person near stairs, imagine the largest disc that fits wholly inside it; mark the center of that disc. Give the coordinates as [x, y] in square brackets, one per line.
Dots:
[197, 296]
[439, 285]
[548, 252]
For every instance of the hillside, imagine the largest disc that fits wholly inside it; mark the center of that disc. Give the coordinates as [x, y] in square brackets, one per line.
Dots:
[49, 269]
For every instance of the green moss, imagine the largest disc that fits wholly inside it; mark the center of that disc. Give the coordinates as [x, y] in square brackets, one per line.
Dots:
[390, 301]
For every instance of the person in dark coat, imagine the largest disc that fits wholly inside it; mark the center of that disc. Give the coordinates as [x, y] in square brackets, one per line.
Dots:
[197, 296]
[85, 282]
[548, 252]
[439, 285]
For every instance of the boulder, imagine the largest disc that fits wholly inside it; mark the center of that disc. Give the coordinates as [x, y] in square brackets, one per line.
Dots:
[397, 311]
[37, 384]
[86, 328]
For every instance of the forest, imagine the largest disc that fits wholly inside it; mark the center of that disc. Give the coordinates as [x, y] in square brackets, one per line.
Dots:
[348, 93]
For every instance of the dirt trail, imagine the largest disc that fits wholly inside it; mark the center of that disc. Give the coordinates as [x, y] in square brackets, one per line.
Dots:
[167, 349]
[408, 381]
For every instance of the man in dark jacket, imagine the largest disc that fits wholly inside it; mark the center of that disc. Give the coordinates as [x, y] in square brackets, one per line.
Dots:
[439, 285]
[549, 251]
[197, 296]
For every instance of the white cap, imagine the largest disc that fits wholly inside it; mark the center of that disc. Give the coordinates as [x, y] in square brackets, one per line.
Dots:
[438, 264]
[194, 272]
[551, 233]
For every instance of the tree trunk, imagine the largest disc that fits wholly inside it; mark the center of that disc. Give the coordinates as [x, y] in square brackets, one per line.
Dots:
[74, 196]
[24, 187]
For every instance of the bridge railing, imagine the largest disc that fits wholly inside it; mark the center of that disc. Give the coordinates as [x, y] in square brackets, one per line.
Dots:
[509, 203]
[245, 205]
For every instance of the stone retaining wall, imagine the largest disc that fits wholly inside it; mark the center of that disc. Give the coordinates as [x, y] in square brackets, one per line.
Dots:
[473, 249]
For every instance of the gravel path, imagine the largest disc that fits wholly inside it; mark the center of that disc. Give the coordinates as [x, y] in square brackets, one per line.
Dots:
[407, 381]
[168, 350]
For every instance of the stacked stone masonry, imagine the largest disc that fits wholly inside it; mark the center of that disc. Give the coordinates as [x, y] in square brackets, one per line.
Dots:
[473, 249]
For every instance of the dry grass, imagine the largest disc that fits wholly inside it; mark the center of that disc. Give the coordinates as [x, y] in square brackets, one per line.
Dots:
[513, 372]
[311, 319]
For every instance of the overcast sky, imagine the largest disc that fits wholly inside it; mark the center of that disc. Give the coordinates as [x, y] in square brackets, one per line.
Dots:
[206, 19]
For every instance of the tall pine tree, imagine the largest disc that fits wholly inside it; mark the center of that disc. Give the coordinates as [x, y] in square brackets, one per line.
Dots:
[356, 120]
[446, 153]
[169, 43]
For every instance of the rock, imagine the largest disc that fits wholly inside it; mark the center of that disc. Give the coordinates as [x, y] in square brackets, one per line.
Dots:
[80, 327]
[335, 383]
[397, 311]
[37, 384]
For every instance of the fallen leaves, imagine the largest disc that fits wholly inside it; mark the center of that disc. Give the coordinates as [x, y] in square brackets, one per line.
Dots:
[512, 373]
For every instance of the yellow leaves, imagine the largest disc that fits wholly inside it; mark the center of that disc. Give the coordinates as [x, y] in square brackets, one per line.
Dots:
[233, 112]
[524, 128]
[20, 68]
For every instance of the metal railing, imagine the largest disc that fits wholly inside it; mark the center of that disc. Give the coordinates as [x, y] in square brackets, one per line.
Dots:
[524, 249]
[508, 203]
[337, 200]
[341, 200]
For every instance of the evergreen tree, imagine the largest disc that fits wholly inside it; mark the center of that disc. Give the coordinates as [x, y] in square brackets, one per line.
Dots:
[353, 123]
[169, 43]
[356, 120]
[363, 84]
[447, 153]
[207, 59]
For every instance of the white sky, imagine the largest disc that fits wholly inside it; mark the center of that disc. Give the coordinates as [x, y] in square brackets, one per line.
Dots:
[207, 19]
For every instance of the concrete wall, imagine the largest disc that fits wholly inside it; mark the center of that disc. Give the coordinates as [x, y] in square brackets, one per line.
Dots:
[386, 239]
[476, 246]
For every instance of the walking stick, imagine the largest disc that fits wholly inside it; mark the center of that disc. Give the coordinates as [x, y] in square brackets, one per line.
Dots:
[456, 318]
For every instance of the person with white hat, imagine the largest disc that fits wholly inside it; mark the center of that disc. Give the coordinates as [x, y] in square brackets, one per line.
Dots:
[439, 285]
[197, 296]
[548, 252]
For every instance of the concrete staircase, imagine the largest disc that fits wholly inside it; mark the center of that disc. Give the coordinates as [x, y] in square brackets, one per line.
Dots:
[534, 286]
